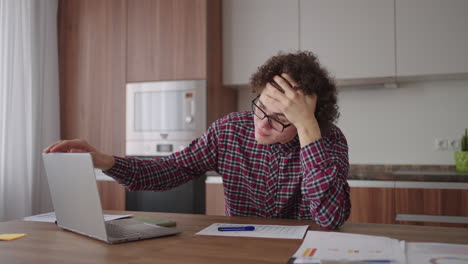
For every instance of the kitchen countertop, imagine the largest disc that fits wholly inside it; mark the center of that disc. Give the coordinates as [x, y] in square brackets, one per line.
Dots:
[424, 173]
[388, 175]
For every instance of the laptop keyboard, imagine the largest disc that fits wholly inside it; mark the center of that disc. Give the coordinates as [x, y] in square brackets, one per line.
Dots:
[114, 230]
[127, 228]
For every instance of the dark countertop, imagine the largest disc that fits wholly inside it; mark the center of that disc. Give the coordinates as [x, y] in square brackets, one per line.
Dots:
[425, 173]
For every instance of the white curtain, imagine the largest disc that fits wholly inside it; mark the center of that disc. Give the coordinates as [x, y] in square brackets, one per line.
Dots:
[29, 103]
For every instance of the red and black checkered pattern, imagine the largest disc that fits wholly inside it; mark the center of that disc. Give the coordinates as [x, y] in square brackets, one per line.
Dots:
[274, 181]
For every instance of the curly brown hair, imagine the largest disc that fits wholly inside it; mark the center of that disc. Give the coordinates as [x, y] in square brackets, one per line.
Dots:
[304, 68]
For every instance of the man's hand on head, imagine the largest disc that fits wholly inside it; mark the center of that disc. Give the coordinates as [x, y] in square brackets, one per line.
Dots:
[297, 107]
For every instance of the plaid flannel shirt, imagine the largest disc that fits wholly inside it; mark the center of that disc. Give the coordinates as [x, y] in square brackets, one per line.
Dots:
[273, 181]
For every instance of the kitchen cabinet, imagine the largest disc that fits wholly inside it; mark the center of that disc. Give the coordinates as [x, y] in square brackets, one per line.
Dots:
[105, 44]
[221, 100]
[91, 38]
[372, 205]
[409, 202]
[431, 202]
[360, 42]
[92, 44]
[253, 31]
[112, 195]
[215, 203]
[431, 37]
[166, 40]
[353, 39]
[369, 205]
[381, 205]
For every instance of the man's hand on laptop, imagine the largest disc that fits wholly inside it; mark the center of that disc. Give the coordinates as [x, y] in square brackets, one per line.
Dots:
[100, 160]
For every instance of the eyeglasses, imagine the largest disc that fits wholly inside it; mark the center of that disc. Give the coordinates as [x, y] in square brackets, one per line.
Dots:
[274, 123]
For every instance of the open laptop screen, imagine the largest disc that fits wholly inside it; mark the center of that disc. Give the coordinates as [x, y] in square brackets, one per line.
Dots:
[74, 193]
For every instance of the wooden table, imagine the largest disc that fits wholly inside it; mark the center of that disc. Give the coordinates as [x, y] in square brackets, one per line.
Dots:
[47, 243]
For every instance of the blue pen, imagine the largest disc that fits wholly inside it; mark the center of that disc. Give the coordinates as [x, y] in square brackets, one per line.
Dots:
[329, 261]
[236, 228]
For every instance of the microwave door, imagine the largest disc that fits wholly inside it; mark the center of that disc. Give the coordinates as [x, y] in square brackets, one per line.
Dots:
[160, 111]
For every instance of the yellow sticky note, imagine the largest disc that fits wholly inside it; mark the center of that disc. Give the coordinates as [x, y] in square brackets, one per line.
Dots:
[11, 236]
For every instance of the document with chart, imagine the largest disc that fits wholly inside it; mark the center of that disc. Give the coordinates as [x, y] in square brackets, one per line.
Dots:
[319, 247]
[336, 247]
[437, 253]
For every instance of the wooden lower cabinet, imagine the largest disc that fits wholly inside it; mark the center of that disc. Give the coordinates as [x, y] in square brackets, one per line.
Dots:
[372, 205]
[214, 199]
[369, 205]
[432, 202]
[112, 195]
[382, 205]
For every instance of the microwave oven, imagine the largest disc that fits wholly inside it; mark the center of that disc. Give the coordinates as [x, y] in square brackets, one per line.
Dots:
[164, 117]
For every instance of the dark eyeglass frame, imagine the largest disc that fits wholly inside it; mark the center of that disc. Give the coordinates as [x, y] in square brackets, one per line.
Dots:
[254, 105]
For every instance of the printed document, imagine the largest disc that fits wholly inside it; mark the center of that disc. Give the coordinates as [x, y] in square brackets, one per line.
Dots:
[437, 253]
[268, 231]
[340, 247]
[335, 247]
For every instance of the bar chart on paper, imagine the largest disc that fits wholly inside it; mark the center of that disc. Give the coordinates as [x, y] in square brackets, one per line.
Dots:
[310, 252]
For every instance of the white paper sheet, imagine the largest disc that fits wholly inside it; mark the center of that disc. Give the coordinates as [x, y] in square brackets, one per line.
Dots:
[50, 217]
[334, 246]
[268, 231]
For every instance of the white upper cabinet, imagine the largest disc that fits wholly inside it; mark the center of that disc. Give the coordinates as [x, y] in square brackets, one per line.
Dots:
[353, 39]
[253, 31]
[431, 37]
[358, 41]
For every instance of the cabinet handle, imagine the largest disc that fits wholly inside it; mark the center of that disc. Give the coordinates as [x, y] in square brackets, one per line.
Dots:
[432, 218]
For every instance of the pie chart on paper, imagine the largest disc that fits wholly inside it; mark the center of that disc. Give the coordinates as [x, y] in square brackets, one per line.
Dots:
[448, 260]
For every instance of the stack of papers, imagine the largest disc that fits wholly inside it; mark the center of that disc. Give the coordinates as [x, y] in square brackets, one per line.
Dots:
[436, 253]
[334, 247]
[339, 247]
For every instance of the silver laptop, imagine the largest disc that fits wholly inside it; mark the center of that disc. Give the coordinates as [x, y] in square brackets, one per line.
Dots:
[77, 204]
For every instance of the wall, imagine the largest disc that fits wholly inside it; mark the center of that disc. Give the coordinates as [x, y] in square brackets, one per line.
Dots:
[398, 125]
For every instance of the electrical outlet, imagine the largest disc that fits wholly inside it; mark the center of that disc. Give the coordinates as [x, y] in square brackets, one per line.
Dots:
[441, 144]
[454, 144]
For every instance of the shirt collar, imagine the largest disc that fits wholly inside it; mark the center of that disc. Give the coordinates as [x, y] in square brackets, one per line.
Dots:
[287, 147]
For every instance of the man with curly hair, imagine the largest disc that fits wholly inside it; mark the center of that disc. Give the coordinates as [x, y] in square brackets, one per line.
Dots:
[283, 159]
